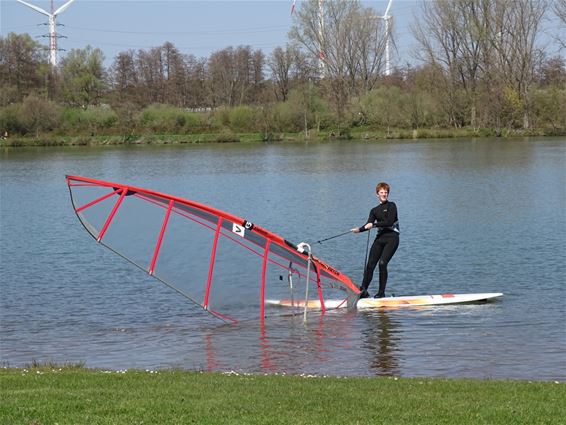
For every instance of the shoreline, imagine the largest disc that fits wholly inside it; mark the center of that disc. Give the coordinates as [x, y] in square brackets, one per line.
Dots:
[243, 137]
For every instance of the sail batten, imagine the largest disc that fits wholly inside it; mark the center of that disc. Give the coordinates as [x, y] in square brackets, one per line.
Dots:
[212, 260]
[96, 201]
[111, 216]
[227, 265]
[161, 234]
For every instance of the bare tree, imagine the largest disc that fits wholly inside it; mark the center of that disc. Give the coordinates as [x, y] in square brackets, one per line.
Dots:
[222, 77]
[348, 40]
[196, 82]
[280, 63]
[256, 77]
[151, 70]
[452, 34]
[160, 75]
[289, 67]
[489, 41]
[559, 7]
[235, 75]
[175, 76]
[123, 76]
[513, 32]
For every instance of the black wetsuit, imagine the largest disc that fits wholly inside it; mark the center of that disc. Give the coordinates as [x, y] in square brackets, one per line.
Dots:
[384, 217]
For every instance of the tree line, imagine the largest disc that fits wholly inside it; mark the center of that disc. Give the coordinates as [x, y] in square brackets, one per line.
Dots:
[482, 64]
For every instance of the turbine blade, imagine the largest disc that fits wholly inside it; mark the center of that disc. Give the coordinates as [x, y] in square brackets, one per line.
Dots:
[36, 8]
[62, 8]
[387, 10]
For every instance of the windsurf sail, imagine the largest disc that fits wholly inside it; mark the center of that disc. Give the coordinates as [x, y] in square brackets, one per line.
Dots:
[227, 265]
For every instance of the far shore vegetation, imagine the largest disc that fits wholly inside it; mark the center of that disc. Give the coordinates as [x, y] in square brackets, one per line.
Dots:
[165, 124]
[72, 394]
[480, 69]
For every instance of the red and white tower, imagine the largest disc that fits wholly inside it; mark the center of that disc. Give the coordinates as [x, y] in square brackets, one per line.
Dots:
[52, 16]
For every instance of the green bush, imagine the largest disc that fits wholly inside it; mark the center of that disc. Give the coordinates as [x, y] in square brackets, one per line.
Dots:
[101, 117]
[243, 118]
[549, 108]
[71, 121]
[163, 119]
[10, 119]
[380, 107]
[194, 121]
[226, 136]
[221, 117]
[287, 117]
[91, 121]
[38, 115]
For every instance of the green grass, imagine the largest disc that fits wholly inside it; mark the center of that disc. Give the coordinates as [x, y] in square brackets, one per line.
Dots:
[74, 395]
[228, 136]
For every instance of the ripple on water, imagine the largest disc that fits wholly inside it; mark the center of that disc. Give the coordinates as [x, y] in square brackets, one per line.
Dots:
[467, 227]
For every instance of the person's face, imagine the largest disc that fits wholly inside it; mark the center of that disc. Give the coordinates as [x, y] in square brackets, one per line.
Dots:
[382, 194]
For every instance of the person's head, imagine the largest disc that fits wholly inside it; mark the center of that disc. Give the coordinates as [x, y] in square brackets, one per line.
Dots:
[382, 191]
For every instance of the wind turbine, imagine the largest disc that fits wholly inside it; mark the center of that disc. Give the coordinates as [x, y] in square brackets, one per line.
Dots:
[387, 18]
[52, 24]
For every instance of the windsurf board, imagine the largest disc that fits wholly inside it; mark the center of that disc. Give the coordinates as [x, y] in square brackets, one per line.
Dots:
[405, 301]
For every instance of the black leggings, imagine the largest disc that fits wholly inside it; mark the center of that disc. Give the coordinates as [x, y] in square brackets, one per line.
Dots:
[382, 251]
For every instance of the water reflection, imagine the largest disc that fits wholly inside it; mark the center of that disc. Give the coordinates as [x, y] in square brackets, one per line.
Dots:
[94, 308]
[326, 344]
[211, 361]
[266, 363]
[284, 345]
[380, 339]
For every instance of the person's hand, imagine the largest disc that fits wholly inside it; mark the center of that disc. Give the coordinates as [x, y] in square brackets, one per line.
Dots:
[355, 230]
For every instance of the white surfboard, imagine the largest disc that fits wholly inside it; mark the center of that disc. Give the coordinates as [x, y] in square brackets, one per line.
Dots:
[408, 301]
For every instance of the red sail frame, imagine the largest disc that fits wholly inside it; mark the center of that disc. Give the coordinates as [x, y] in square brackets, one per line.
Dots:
[169, 203]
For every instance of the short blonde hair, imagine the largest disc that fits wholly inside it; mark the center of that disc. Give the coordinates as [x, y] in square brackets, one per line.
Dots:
[382, 185]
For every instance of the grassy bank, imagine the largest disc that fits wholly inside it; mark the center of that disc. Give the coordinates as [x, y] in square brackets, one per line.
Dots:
[74, 395]
[231, 137]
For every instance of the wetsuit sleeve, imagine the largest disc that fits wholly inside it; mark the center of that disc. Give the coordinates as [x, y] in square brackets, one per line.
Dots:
[388, 219]
[371, 219]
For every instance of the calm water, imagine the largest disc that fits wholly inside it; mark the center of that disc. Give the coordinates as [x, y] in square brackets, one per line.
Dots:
[476, 216]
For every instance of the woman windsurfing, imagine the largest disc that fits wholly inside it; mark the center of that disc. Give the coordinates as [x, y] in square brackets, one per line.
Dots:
[384, 217]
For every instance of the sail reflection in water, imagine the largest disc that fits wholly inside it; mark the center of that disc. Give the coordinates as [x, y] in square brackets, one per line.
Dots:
[224, 263]
[284, 345]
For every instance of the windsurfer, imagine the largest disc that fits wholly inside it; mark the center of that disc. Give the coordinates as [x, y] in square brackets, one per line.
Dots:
[384, 217]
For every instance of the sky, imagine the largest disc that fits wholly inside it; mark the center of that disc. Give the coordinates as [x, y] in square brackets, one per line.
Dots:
[194, 27]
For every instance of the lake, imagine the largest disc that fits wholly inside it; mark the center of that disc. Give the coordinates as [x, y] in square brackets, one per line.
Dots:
[476, 215]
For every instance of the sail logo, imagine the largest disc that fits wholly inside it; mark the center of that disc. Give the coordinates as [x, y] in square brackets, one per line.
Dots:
[239, 230]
